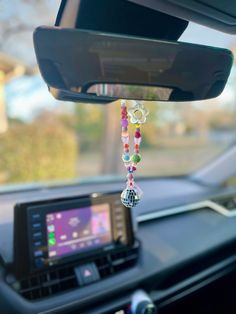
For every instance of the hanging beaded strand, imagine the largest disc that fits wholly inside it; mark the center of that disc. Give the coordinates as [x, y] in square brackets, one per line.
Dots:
[132, 194]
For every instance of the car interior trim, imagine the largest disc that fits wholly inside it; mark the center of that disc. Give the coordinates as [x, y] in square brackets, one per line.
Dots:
[186, 287]
[198, 281]
[187, 208]
[201, 12]
[210, 176]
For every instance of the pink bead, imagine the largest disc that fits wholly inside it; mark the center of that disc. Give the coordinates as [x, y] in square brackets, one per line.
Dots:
[130, 177]
[124, 132]
[137, 140]
[137, 134]
[123, 103]
[125, 139]
[131, 183]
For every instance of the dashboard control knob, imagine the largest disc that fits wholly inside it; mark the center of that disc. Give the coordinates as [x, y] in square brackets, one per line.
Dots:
[142, 304]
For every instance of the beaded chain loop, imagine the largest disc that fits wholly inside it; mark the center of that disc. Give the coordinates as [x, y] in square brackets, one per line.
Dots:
[132, 194]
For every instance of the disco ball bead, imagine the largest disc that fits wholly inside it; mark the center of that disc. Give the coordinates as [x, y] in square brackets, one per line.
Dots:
[130, 197]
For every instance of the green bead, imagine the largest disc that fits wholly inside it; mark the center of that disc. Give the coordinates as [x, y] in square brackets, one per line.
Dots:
[136, 158]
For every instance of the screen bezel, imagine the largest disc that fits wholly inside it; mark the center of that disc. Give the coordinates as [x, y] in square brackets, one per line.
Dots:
[47, 207]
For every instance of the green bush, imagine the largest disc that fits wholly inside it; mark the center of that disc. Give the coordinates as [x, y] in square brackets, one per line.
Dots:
[37, 152]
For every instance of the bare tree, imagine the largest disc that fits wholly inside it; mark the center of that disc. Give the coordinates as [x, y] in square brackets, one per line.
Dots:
[18, 18]
[111, 145]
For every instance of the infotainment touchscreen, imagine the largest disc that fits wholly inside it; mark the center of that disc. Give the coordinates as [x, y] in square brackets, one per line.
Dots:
[49, 233]
[78, 229]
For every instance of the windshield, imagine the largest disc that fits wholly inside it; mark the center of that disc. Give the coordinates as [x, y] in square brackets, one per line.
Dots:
[44, 140]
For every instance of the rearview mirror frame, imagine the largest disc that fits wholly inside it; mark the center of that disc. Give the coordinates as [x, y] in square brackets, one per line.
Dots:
[72, 60]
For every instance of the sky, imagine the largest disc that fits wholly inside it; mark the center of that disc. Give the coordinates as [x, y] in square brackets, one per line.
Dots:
[26, 96]
[18, 19]
[199, 34]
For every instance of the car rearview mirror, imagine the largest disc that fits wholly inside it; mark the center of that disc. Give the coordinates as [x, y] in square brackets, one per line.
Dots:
[88, 66]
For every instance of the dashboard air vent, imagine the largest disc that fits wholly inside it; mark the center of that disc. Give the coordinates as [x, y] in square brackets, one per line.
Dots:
[115, 262]
[48, 283]
[62, 279]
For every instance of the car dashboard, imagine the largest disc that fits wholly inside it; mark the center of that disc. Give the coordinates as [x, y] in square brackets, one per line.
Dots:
[178, 245]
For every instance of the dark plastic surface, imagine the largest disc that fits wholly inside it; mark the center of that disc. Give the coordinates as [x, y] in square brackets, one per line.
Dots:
[158, 194]
[166, 256]
[81, 60]
[123, 17]
[217, 14]
[164, 252]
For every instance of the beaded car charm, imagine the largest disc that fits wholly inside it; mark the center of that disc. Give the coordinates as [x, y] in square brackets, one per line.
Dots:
[132, 194]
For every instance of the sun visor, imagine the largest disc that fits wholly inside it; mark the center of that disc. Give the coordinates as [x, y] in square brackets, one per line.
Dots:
[120, 17]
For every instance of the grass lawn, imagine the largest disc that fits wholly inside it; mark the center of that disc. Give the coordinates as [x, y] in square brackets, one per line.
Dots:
[158, 161]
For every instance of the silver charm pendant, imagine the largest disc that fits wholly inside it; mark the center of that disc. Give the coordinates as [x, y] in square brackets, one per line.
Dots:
[130, 197]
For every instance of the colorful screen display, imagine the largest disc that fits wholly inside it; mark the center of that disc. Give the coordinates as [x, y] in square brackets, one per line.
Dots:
[78, 229]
